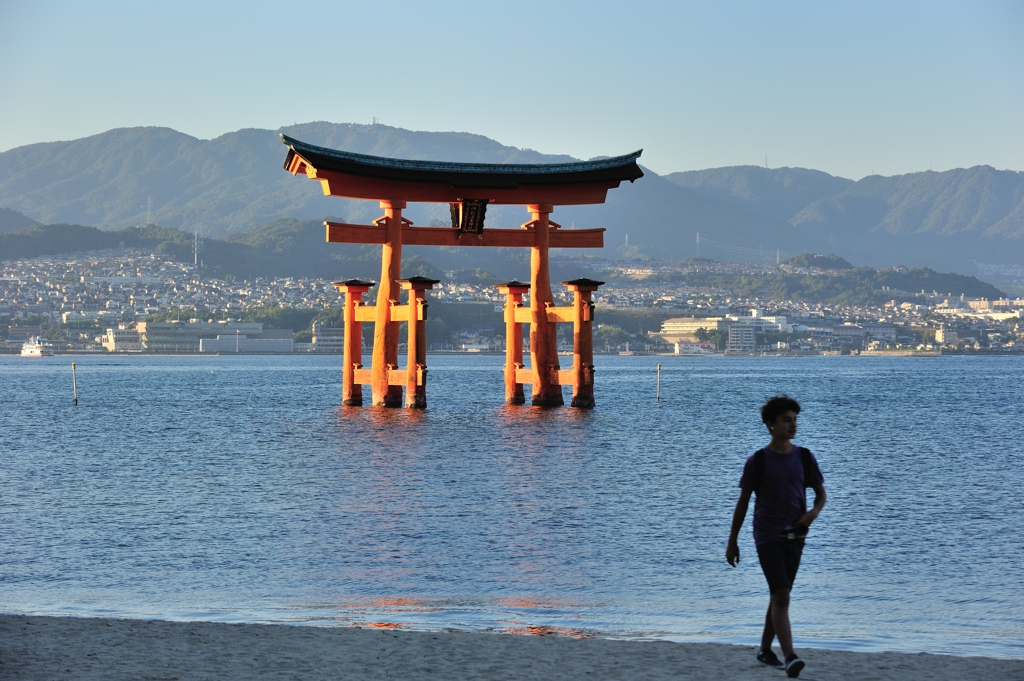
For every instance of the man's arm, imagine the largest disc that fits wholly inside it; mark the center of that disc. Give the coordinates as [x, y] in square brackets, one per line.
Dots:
[819, 503]
[732, 550]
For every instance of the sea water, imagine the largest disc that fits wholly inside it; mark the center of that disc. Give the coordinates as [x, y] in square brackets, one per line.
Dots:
[234, 488]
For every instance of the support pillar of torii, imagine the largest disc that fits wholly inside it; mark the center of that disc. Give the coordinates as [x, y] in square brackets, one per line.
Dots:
[543, 336]
[385, 327]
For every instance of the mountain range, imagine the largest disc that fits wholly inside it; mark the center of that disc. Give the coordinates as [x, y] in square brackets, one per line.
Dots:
[235, 183]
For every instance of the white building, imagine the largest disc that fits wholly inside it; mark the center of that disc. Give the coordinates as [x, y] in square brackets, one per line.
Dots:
[762, 323]
[240, 343]
[684, 348]
[178, 337]
[328, 338]
[680, 328]
[122, 339]
[882, 332]
[88, 316]
[772, 323]
[849, 334]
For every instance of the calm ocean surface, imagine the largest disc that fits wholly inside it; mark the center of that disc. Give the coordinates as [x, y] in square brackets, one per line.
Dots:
[236, 489]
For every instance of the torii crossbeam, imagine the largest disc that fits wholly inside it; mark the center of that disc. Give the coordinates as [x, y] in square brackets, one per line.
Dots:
[468, 188]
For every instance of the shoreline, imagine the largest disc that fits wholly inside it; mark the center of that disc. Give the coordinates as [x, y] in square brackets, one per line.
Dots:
[459, 353]
[36, 647]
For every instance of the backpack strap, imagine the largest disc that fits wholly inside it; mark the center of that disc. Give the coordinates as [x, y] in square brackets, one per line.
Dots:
[808, 464]
[805, 460]
[758, 470]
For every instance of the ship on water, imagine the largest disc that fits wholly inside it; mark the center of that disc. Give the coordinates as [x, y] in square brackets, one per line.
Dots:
[36, 347]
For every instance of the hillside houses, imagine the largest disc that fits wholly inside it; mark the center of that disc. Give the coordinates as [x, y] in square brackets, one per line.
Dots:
[98, 297]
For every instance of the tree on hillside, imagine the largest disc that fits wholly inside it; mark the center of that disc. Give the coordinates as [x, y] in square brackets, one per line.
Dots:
[825, 262]
[715, 337]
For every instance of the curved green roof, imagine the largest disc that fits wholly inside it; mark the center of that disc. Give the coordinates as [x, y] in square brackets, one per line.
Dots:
[467, 174]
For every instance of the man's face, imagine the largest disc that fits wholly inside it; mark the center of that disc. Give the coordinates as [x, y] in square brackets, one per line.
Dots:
[784, 425]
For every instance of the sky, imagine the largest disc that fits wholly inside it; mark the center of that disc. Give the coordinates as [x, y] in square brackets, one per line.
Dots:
[850, 88]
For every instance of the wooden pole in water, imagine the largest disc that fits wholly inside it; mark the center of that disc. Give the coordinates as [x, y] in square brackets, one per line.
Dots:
[658, 395]
[74, 382]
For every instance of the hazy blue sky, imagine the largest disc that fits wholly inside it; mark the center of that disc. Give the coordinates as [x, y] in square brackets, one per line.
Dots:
[850, 88]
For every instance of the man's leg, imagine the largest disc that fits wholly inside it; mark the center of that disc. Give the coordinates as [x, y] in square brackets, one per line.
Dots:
[779, 611]
[780, 620]
[769, 629]
[780, 560]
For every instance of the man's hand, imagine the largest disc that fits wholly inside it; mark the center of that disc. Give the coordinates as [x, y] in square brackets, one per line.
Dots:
[807, 518]
[732, 553]
[819, 503]
[732, 549]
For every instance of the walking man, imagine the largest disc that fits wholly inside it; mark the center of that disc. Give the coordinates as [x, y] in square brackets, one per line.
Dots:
[779, 475]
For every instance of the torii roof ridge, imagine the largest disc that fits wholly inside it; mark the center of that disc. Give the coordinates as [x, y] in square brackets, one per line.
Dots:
[619, 167]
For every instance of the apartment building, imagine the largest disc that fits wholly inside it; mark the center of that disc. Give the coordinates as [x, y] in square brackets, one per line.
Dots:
[742, 338]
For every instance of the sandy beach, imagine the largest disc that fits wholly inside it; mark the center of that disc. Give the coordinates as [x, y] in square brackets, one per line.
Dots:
[83, 648]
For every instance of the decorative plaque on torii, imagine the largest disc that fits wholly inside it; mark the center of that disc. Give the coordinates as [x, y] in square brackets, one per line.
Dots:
[468, 188]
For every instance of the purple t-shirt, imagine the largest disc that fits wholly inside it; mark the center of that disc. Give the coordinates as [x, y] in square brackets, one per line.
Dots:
[782, 498]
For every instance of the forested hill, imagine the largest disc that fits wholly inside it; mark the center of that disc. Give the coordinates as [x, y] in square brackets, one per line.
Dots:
[285, 248]
[778, 192]
[128, 176]
[12, 220]
[950, 220]
[854, 286]
[978, 200]
[294, 248]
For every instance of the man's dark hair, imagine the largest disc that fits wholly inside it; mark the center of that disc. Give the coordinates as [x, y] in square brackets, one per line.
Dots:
[776, 406]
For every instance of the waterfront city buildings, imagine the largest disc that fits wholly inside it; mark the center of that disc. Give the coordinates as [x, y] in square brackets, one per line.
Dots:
[130, 301]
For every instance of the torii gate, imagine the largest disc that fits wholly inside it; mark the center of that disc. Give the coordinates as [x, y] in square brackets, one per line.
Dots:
[468, 188]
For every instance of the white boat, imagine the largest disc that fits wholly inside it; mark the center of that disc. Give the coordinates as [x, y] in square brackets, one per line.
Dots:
[36, 347]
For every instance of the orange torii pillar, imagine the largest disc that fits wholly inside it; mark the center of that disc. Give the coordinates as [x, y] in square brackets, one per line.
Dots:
[352, 392]
[416, 363]
[543, 342]
[582, 341]
[513, 292]
[385, 329]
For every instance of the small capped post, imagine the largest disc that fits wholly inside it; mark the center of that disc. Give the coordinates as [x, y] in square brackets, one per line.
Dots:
[352, 392]
[513, 292]
[416, 364]
[583, 341]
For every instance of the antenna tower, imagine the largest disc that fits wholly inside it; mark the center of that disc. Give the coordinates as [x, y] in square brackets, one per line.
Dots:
[698, 244]
[195, 246]
[149, 212]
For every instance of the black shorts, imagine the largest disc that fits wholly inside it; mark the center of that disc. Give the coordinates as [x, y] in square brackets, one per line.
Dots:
[780, 559]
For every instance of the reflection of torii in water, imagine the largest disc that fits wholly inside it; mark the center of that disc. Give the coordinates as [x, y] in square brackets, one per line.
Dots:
[468, 188]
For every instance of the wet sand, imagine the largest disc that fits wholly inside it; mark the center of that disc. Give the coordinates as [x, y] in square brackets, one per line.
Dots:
[85, 648]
